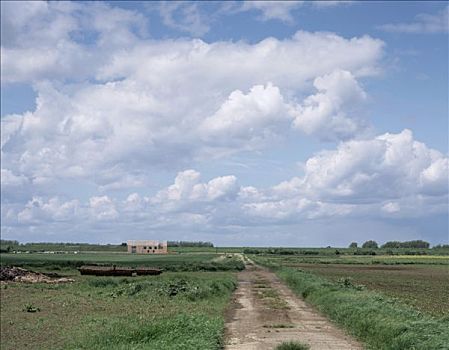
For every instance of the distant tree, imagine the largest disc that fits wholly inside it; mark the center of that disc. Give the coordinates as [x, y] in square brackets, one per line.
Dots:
[189, 244]
[408, 244]
[353, 245]
[415, 244]
[441, 246]
[392, 244]
[124, 244]
[8, 242]
[370, 244]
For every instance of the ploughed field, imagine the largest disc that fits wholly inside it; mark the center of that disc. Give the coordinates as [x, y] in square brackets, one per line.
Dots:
[419, 281]
[425, 287]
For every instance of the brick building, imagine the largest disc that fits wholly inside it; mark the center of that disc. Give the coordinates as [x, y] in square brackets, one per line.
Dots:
[147, 247]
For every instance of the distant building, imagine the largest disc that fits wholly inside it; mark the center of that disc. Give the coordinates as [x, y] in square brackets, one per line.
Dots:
[147, 247]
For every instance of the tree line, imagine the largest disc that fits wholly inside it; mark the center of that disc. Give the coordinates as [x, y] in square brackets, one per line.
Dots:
[393, 244]
[189, 244]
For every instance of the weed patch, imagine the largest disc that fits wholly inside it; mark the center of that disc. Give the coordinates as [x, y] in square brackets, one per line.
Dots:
[165, 333]
[279, 325]
[292, 345]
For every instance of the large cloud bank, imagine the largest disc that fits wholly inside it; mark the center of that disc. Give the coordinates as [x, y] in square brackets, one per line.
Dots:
[114, 107]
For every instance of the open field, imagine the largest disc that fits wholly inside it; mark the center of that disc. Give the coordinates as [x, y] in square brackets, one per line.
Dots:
[418, 281]
[175, 262]
[386, 304]
[157, 312]
[425, 287]
[403, 303]
[293, 260]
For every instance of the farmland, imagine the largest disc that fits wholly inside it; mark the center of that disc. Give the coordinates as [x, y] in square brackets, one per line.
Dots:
[113, 312]
[419, 281]
[396, 298]
[175, 262]
[387, 301]
[424, 287]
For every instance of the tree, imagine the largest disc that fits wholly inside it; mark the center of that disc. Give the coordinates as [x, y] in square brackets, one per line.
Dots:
[353, 245]
[415, 244]
[407, 244]
[370, 244]
[392, 244]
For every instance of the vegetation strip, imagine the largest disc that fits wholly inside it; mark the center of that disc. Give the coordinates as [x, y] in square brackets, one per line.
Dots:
[175, 263]
[381, 322]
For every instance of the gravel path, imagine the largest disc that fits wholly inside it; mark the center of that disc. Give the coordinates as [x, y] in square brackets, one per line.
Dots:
[265, 312]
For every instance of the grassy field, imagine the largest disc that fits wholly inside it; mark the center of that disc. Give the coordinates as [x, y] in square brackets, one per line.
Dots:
[293, 260]
[152, 312]
[158, 312]
[175, 262]
[396, 301]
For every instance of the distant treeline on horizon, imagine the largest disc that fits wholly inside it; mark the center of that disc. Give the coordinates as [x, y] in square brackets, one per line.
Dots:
[189, 244]
[9, 245]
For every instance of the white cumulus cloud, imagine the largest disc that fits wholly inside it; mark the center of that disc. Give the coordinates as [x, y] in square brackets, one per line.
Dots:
[178, 101]
[102, 208]
[327, 113]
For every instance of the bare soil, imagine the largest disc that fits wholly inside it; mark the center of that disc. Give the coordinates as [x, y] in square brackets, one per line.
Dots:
[264, 313]
[424, 287]
[17, 274]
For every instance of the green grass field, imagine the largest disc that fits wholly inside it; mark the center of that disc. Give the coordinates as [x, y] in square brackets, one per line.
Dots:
[153, 312]
[170, 262]
[293, 260]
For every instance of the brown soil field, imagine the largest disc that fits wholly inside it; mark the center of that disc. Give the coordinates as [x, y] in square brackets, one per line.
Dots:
[425, 287]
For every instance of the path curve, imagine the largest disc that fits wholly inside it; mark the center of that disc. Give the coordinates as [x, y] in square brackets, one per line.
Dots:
[265, 312]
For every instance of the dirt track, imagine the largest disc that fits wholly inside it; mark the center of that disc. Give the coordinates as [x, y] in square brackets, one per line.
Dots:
[265, 313]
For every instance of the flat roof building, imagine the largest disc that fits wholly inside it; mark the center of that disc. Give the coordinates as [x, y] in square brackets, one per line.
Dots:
[147, 247]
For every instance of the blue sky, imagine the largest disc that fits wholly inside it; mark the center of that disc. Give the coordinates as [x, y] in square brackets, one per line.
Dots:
[242, 123]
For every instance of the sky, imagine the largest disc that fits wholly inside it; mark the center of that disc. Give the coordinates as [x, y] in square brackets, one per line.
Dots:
[242, 123]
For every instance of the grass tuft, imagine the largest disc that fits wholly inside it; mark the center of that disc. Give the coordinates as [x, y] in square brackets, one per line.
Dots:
[292, 345]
